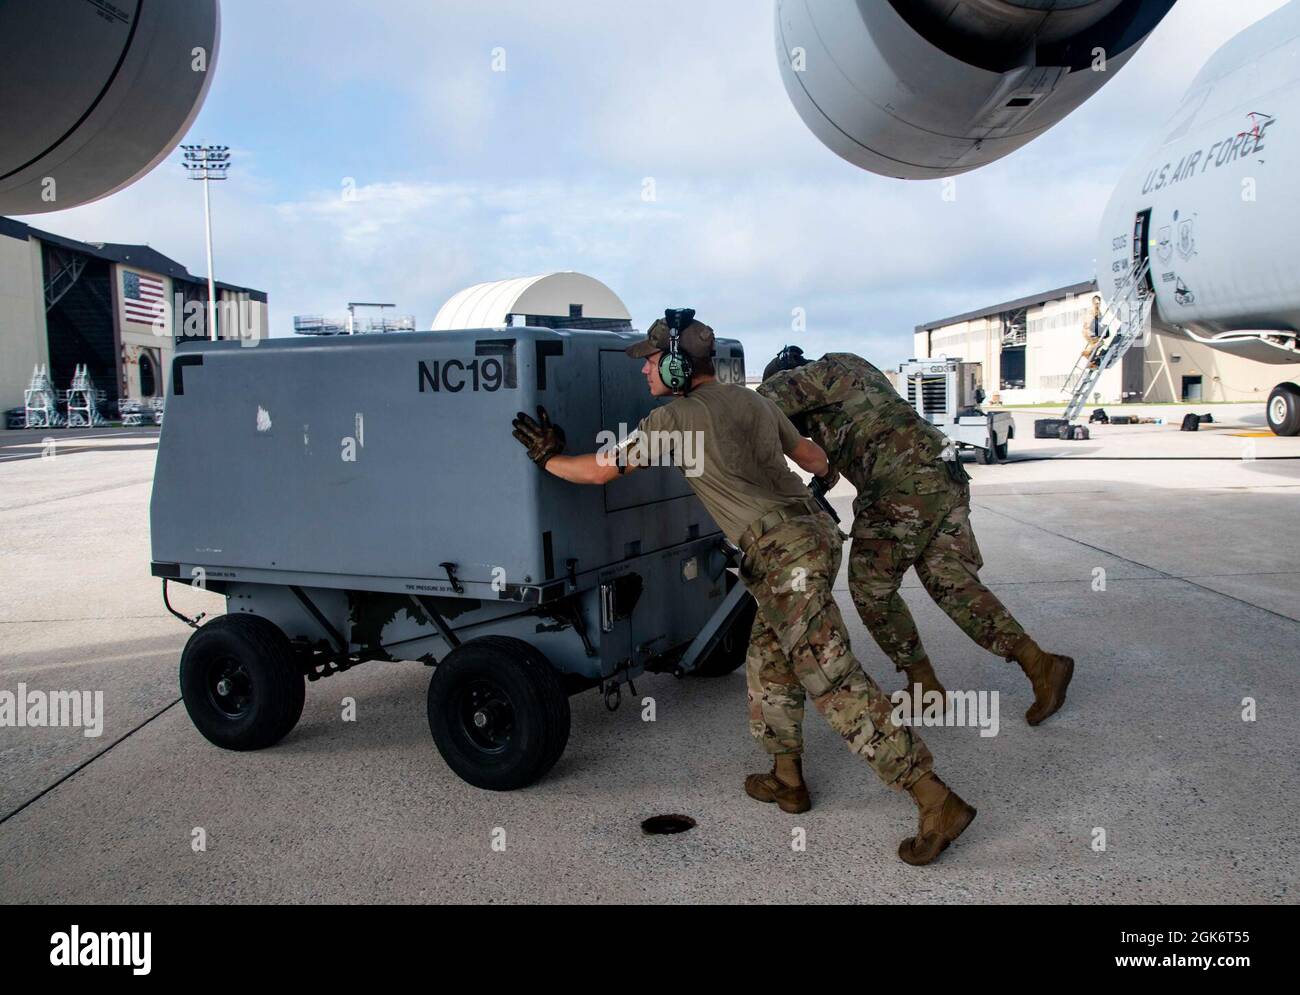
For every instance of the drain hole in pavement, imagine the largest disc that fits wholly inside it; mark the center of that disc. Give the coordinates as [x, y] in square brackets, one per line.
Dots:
[666, 825]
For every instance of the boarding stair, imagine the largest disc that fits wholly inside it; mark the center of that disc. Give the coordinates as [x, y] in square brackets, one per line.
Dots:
[1126, 321]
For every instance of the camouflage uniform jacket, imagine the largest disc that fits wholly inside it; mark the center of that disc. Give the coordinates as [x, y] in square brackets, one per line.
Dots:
[870, 433]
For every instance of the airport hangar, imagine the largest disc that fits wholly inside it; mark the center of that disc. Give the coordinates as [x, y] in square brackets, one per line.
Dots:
[1028, 347]
[64, 303]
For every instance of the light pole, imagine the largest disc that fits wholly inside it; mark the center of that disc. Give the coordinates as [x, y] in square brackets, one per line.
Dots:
[208, 162]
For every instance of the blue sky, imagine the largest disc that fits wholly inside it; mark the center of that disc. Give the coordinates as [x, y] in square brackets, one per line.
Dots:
[462, 174]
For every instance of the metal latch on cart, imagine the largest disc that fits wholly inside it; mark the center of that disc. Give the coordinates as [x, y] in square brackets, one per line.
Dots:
[456, 585]
[618, 598]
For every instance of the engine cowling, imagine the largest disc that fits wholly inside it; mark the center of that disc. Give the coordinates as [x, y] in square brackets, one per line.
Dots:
[922, 89]
[94, 95]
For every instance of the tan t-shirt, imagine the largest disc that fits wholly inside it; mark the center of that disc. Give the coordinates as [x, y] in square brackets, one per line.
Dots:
[731, 445]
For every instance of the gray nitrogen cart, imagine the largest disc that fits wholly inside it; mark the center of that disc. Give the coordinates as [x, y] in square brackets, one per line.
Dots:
[361, 498]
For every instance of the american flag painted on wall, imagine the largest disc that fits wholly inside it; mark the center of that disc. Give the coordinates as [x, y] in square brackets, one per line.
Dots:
[143, 299]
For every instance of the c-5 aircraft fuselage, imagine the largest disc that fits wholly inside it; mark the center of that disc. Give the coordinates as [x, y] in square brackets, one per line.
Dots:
[1217, 197]
[1214, 205]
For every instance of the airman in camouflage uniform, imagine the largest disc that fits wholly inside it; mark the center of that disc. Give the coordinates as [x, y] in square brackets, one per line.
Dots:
[799, 645]
[912, 510]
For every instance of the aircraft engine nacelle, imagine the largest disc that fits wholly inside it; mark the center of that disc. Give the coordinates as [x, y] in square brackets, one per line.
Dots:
[94, 95]
[921, 89]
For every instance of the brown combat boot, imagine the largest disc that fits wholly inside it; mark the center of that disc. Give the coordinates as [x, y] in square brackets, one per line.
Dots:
[1050, 675]
[922, 673]
[942, 818]
[792, 798]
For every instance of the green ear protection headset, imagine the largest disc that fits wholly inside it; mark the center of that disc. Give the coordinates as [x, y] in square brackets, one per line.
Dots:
[675, 367]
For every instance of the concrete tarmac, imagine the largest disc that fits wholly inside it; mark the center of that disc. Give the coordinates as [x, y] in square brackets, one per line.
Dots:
[1165, 562]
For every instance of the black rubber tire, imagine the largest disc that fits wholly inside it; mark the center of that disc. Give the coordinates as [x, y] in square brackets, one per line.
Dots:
[556, 696]
[1285, 398]
[1002, 451]
[254, 654]
[984, 456]
[731, 651]
[532, 718]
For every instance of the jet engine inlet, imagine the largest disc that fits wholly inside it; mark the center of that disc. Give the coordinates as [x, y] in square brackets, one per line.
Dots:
[1012, 25]
[94, 95]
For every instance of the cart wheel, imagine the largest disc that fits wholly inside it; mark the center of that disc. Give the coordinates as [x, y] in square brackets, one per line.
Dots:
[240, 682]
[730, 651]
[1001, 451]
[497, 712]
[984, 455]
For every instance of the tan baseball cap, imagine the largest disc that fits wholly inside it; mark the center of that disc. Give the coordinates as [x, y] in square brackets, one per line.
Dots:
[696, 340]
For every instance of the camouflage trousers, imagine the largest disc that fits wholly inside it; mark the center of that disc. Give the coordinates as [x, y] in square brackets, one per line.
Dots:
[799, 647]
[924, 524]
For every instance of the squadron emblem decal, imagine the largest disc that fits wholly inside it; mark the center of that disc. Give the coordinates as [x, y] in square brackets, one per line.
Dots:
[1165, 245]
[1186, 238]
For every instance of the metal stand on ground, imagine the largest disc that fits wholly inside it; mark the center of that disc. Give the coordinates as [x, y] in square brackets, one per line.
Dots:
[84, 401]
[40, 401]
[136, 413]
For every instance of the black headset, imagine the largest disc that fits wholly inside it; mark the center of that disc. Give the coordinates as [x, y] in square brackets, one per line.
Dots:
[675, 367]
[789, 358]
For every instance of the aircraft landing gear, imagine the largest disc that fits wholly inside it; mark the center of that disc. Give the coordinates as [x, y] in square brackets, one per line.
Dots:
[1283, 410]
